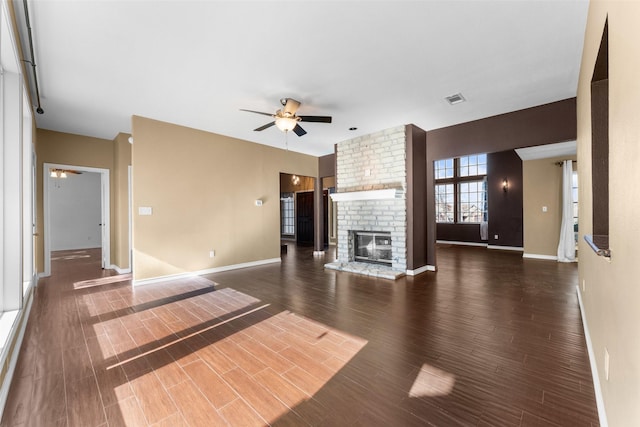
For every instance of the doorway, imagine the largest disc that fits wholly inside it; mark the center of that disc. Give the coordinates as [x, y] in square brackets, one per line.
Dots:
[52, 176]
[304, 218]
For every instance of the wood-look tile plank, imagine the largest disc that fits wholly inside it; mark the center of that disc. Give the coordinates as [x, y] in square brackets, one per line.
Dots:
[84, 404]
[238, 413]
[126, 413]
[241, 357]
[267, 356]
[210, 384]
[215, 359]
[303, 360]
[280, 387]
[152, 397]
[261, 400]
[168, 372]
[49, 400]
[175, 420]
[194, 407]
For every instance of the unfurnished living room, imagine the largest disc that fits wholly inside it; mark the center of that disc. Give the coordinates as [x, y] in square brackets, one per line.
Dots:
[319, 213]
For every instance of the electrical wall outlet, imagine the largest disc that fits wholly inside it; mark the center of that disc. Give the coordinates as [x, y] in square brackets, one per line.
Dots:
[606, 364]
[495, 237]
[212, 253]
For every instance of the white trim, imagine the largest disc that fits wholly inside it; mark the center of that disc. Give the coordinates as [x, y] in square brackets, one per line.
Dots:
[120, 270]
[186, 275]
[421, 270]
[390, 193]
[106, 211]
[547, 151]
[540, 256]
[20, 315]
[130, 215]
[455, 242]
[505, 248]
[602, 414]
[318, 253]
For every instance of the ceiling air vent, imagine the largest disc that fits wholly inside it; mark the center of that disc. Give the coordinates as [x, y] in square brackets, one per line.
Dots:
[455, 99]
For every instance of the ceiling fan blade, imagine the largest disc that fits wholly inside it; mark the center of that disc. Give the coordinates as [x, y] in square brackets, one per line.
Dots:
[257, 112]
[291, 106]
[299, 131]
[268, 125]
[319, 119]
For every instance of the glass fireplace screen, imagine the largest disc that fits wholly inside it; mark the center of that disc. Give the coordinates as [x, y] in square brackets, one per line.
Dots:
[372, 246]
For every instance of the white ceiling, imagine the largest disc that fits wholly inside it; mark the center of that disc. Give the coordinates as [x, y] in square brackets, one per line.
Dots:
[370, 65]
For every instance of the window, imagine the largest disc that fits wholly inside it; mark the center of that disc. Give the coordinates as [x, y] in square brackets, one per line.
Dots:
[444, 203]
[461, 189]
[287, 215]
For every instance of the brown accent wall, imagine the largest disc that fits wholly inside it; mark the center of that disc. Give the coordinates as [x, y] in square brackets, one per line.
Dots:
[74, 150]
[505, 208]
[544, 124]
[416, 140]
[468, 233]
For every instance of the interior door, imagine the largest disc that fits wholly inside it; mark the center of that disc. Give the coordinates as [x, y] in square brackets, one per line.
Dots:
[304, 218]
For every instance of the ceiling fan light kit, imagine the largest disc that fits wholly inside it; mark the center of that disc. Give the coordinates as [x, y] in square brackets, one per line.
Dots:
[286, 119]
[286, 124]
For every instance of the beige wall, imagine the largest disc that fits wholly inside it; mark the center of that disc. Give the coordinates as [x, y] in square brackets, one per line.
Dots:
[73, 150]
[202, 188]
[542, 187]
[612, 287]
[121, 160]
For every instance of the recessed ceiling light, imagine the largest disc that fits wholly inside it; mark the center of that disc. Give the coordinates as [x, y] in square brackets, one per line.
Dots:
[455, 99]
[353, 128]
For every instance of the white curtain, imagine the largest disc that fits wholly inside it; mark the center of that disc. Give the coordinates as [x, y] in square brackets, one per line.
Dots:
[567, 245]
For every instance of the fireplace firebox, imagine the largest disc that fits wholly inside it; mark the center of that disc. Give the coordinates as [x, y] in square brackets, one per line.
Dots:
[372, 246]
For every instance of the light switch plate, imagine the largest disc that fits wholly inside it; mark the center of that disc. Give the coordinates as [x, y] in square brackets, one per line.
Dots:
[145, 210]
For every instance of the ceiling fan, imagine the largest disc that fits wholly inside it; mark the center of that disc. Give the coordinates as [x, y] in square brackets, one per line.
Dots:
[286, 118]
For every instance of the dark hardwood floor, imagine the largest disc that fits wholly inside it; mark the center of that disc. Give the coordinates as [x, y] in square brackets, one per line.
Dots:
[489, 340]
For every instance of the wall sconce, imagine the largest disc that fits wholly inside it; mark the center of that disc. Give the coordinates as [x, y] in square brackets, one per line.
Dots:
[505, 185]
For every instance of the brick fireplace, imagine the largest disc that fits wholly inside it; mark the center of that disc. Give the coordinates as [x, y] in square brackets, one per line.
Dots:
[371, 183]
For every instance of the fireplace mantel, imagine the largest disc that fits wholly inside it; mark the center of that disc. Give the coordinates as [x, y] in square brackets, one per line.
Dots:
[388, 193]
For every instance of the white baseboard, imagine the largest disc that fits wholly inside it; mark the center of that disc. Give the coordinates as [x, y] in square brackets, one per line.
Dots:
[454, 242]
[421, 270]
[505, 248]
[20, 324]
[602, 415]
[318, 253]
[120, 270]
[159, 279]
[539, 256]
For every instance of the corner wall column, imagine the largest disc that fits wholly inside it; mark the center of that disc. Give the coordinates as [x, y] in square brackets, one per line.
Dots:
[318, 218]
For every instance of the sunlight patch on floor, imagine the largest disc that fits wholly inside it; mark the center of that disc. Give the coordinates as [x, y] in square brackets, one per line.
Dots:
[431, 382]
[102, 281]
